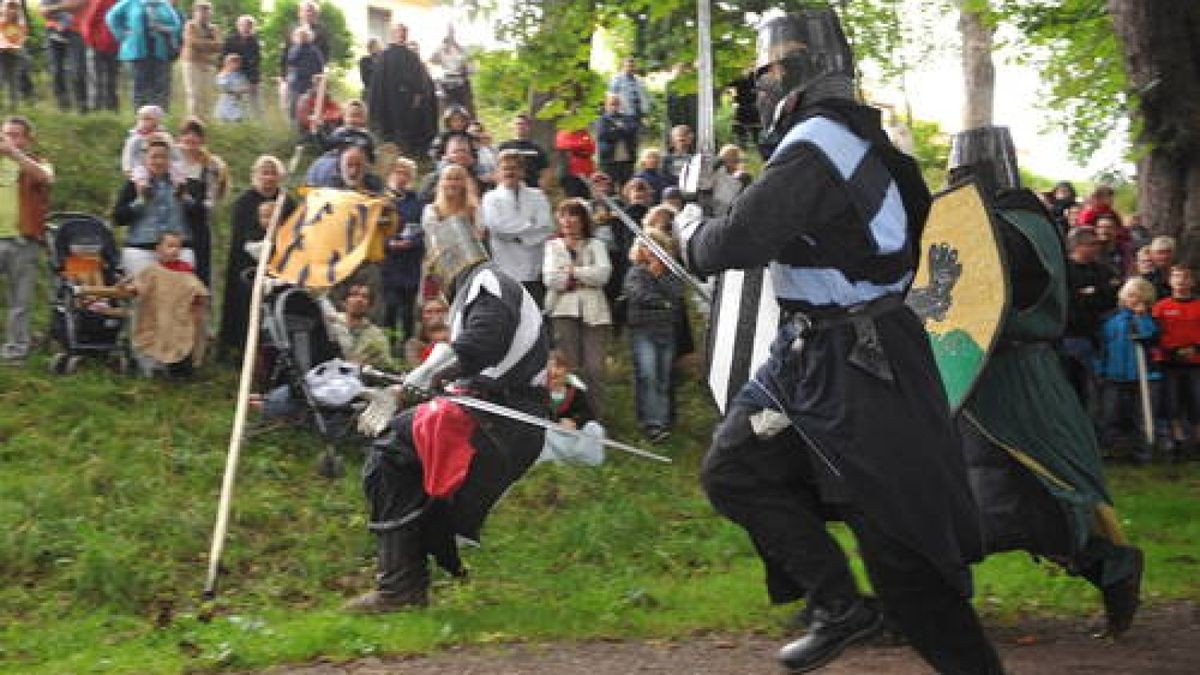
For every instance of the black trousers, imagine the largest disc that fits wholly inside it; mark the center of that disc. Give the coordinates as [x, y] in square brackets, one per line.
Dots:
[767, 487]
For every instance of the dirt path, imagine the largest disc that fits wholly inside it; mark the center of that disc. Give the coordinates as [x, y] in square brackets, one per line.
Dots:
[1166, 640]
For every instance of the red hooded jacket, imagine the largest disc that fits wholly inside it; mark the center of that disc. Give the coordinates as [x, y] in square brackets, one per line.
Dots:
[95, 31]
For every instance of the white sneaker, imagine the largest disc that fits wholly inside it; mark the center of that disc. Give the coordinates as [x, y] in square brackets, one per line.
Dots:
[13, 352]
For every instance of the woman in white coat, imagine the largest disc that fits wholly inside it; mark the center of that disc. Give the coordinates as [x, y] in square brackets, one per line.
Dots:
[575, 269]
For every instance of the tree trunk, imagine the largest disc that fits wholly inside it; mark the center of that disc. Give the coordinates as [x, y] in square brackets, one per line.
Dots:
[979, 74]
[1161, 39]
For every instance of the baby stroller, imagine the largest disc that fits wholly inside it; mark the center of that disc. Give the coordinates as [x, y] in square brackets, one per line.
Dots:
[295, 340]
[88, 313]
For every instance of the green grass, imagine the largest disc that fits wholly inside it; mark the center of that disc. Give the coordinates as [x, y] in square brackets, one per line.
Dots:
[109, 485]
[109, 493]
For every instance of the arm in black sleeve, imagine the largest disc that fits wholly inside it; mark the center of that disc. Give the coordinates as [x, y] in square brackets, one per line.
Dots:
[488, 328]
[795, 194]
[124, 213]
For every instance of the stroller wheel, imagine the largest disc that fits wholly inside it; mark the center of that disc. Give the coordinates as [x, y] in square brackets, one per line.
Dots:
[72, 364]
[329, 465]
[58, 364]
[120, 362]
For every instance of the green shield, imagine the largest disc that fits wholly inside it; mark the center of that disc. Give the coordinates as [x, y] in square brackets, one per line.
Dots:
[960, 290]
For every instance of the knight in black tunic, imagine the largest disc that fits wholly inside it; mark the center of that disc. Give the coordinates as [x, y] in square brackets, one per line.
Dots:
[439, 469]
[847, 419]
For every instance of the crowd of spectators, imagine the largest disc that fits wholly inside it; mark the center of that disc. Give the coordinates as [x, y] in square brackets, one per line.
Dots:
[1131, 318]
[558, 235]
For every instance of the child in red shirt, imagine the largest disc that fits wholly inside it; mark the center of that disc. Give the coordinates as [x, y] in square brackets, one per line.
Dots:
[1179, 320]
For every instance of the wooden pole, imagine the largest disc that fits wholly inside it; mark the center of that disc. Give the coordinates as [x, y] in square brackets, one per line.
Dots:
[243, 396]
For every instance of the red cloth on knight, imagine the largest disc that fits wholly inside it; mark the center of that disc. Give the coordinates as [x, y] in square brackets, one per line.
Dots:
[442, 432]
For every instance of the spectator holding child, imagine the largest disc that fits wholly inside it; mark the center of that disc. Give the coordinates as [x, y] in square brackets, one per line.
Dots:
[151, 203]
[243, 41]
[233, 102]
[304, 62]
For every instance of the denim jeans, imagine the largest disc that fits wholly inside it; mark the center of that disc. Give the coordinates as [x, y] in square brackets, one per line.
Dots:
[11, 63]
[105, 70]
[68, 69]
[151, 82]
[653, 354]
[19, 259]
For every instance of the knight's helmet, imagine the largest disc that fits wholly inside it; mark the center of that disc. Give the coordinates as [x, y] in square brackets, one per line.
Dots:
[987, 155]
[453, 247]
[814, 60]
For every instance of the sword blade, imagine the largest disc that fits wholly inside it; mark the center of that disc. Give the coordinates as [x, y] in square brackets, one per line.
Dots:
[517, 415]
[668, 260]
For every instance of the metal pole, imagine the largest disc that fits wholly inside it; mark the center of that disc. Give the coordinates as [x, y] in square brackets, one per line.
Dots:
[1139, 353]
[706, 139]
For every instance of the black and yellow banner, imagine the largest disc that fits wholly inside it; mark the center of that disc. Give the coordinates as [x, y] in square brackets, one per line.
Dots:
[330, 236]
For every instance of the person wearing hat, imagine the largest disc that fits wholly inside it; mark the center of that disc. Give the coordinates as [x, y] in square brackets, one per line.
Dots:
[436, 470]
[847, 418]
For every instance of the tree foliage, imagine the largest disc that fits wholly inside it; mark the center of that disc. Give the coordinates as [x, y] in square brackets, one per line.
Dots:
[1073, 45]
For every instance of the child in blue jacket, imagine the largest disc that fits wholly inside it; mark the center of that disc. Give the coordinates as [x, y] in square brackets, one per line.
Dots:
[1128, 329]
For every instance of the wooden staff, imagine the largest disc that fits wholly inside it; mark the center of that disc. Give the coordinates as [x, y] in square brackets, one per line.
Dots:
[316, 116]
[243, 399]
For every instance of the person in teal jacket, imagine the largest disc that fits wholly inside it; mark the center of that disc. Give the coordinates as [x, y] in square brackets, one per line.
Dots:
[150, 33]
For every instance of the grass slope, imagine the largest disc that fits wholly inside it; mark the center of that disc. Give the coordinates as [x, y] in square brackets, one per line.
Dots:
[109, 490]
[109, 486]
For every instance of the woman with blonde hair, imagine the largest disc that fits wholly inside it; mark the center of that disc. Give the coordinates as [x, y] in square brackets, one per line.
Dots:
[245, 227]
[455, 196]
[575, 269]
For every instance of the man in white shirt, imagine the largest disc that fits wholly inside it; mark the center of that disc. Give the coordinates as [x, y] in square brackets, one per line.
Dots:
[517, 222]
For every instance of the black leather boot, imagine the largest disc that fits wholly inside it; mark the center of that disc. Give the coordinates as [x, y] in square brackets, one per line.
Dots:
[402, 581]
[1121, 600]
[829, 633]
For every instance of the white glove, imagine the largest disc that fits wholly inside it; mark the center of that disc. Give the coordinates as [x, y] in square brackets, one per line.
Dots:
[440, 359]
[382, 405]
[687, 223]
[254, 249]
